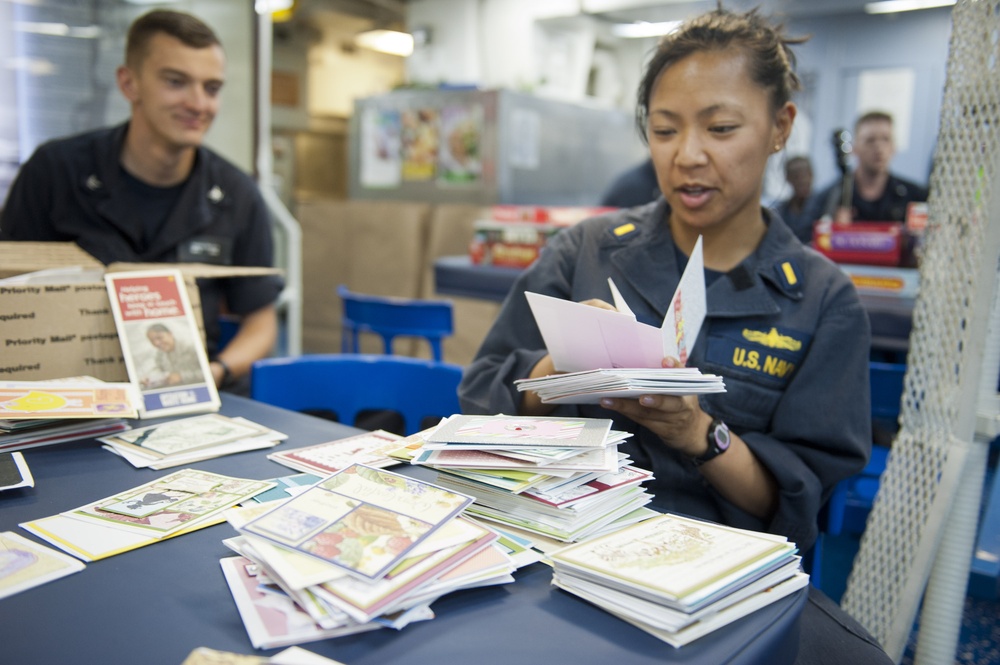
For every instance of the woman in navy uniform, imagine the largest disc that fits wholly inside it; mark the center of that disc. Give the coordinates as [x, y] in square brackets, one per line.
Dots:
[784, 325]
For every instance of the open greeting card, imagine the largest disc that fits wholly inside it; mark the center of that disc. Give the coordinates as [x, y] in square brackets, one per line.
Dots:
[580, 337]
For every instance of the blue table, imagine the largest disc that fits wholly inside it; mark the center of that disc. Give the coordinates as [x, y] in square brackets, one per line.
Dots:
[156, 604]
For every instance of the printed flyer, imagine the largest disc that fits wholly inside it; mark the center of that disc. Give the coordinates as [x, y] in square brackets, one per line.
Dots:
[161, 344]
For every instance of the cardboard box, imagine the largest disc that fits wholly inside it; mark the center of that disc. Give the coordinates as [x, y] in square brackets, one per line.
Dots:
[63, 326]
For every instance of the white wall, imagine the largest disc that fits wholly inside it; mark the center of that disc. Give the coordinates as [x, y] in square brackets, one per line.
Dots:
[339, 73]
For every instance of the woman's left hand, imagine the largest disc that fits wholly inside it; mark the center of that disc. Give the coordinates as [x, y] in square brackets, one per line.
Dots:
[678, 421]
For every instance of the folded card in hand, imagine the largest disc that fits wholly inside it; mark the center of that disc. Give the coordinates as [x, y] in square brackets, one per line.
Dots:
[581, 337]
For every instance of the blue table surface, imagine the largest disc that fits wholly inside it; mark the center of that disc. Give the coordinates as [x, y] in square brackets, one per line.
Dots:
[158, 603]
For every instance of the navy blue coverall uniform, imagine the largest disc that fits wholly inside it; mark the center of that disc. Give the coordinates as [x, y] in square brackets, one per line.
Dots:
[785, 329]
[70, 190]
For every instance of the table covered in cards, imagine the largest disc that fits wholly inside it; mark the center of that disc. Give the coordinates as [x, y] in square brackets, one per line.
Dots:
[157, 603]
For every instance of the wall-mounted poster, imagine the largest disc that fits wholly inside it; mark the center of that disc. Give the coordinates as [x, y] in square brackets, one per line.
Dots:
[420, 139]
[381, 163]
[461, 145]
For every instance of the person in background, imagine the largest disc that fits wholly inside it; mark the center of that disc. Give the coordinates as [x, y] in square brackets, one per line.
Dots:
[801, 210]
[149, 191]
[876, 195]
[713, 105]
[635, 187]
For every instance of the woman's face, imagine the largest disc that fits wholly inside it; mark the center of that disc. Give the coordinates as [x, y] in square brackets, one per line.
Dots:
[711, 130]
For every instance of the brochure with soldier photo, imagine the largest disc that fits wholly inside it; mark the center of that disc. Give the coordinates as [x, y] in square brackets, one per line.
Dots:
[163, 348]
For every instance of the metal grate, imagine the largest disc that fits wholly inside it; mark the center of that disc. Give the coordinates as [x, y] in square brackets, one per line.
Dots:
[919, 528]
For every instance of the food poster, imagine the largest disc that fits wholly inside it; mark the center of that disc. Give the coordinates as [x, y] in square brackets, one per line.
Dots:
[420, 139]
[461, 144]
[381, 164]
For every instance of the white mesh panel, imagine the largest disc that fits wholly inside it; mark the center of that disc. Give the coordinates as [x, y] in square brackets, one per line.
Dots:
[957, 283]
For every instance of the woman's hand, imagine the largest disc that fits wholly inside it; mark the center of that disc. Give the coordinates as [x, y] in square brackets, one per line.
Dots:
[678, 421]
[681, 424]
[531, 404]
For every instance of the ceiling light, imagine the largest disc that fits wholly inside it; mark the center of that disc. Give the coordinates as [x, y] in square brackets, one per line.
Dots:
[58, 29]
[386, 41]
[272, 6]
[643, 29]
[894, 6]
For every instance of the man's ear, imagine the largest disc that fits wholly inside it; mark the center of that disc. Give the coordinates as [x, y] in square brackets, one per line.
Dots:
[127, 83]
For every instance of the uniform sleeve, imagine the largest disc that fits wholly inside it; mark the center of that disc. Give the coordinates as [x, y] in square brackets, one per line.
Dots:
[514, 345]
[25, 214]
[821, 429]
[254, 246]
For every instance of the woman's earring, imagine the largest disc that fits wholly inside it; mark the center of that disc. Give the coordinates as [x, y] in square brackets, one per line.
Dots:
[777, 147]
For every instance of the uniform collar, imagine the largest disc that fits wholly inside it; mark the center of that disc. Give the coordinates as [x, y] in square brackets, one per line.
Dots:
[194, 209]
[747, 290]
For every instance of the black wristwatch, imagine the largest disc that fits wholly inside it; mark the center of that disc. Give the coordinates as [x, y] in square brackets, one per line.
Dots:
[718, 442]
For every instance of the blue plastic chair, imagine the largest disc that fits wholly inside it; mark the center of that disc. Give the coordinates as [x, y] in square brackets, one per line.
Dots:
[349, 384]
[391, 317]
[852, 499]
[848, 507]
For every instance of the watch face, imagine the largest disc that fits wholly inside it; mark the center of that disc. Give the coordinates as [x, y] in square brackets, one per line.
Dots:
[722, 436]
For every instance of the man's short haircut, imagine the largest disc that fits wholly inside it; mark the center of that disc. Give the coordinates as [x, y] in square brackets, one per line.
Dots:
[158, 327]
[872, 116]
[184, 27]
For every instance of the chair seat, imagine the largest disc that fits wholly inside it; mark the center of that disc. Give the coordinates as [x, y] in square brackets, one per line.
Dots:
[348, 384]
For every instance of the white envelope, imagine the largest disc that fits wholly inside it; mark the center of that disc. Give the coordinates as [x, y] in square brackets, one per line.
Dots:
[580, 337]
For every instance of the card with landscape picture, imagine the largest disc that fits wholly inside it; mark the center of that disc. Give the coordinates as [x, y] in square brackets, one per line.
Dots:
[161, 342]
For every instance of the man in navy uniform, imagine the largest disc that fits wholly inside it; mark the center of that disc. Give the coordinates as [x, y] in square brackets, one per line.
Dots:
[149, 191]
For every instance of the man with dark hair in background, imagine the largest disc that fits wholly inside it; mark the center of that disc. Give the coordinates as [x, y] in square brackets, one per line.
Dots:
[876, 194]
[149, 191]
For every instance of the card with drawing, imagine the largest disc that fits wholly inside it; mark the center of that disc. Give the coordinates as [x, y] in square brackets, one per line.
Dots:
[170, 504]
[362, 519]
[186, 434]
[163, 348]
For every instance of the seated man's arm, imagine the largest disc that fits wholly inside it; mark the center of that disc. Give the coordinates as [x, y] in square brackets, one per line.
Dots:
[254, 340]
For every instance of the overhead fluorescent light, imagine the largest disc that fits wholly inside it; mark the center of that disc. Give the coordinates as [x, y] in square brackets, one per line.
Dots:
[392, 42]
[272, 6]
[641, 29]
[58, 29]
[895, 6]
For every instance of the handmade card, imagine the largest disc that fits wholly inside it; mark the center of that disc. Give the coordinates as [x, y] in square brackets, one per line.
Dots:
[362, 519]
[523, 431]
[170, 504]
[159, 335]
[20, 400]
[581, 337]
[186, 435]
[24, 564]
[371, 449]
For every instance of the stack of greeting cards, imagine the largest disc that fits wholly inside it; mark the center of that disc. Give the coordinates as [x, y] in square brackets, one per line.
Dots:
[679, 578]
[362, 548]
[188, 440]
[40, 413]
[562, 478]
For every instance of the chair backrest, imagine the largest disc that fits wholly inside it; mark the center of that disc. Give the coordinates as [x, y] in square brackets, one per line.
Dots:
[392, 316]
[887, 389]
[348, 384]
